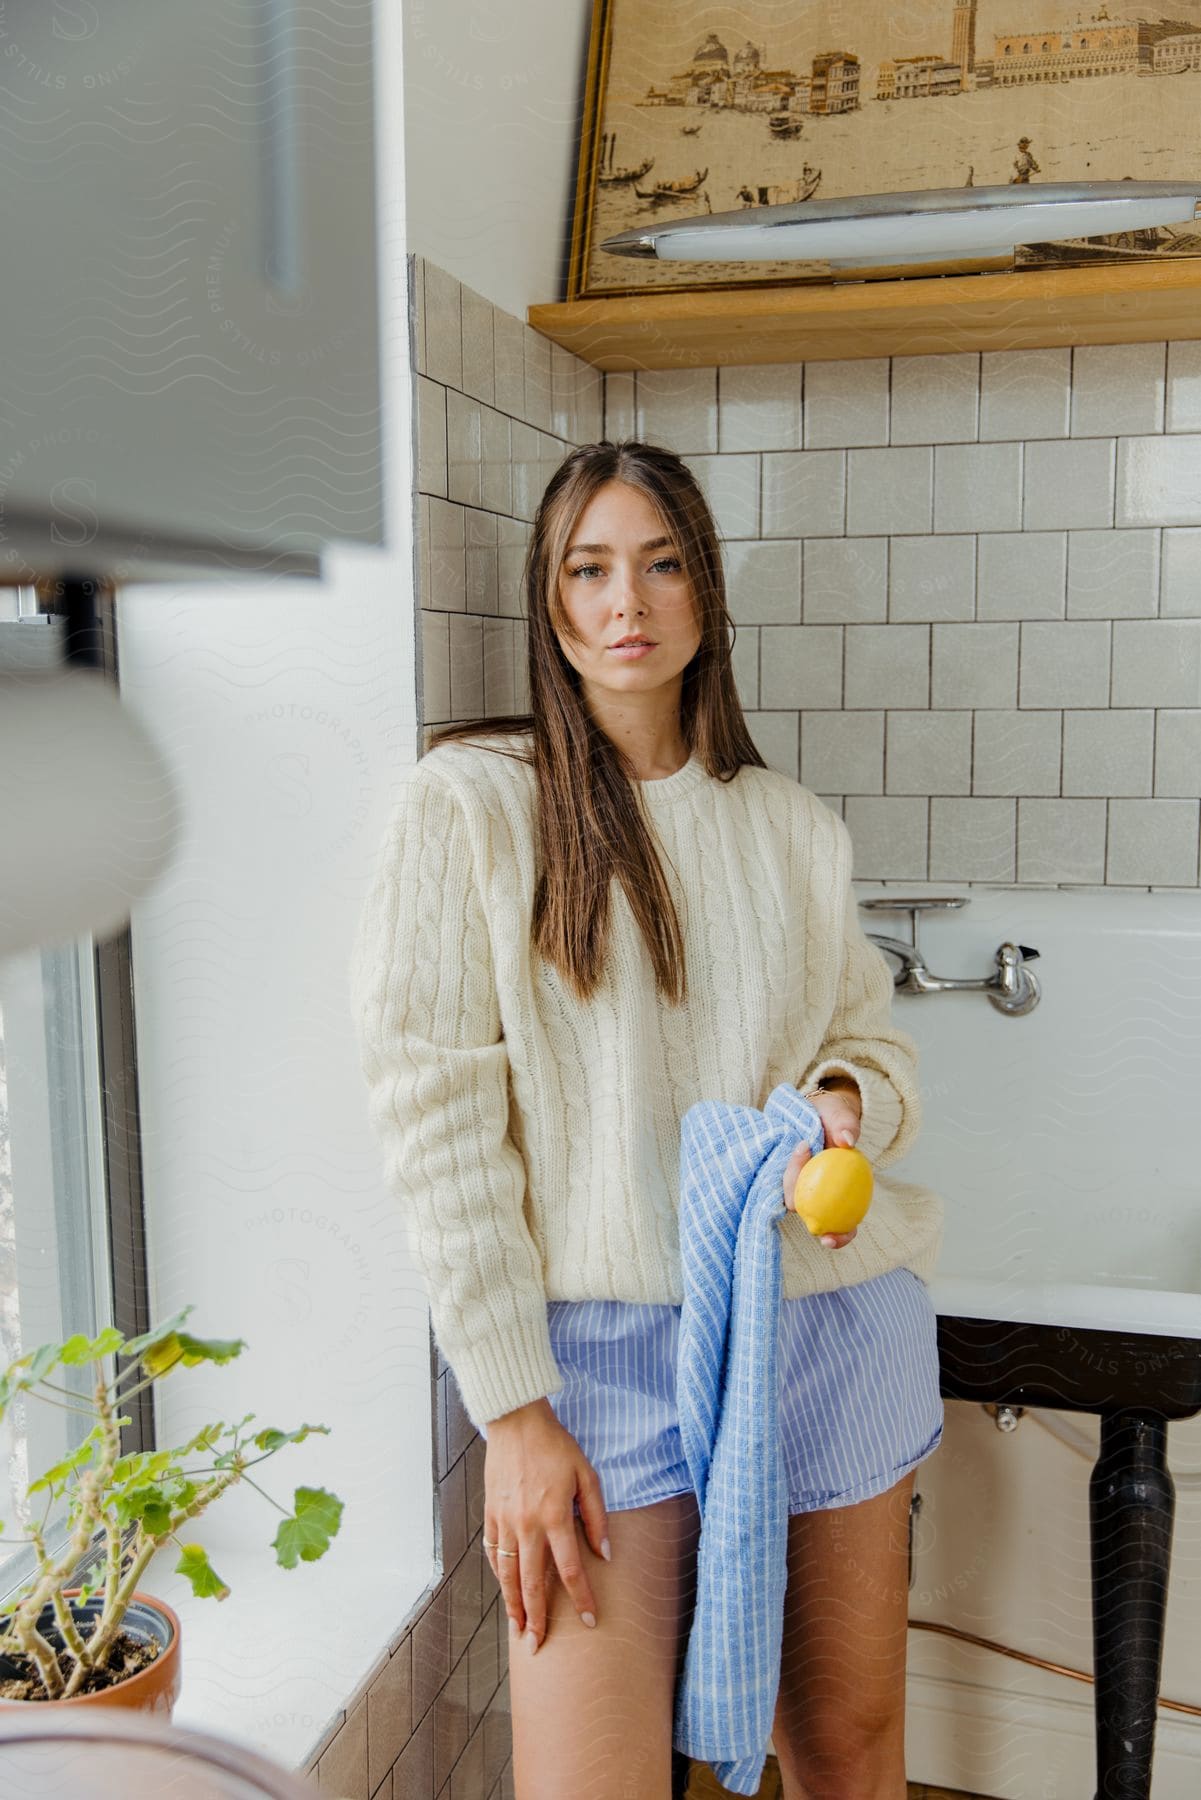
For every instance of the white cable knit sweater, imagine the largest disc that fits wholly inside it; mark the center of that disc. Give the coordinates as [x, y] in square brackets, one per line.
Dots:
[534, 1141]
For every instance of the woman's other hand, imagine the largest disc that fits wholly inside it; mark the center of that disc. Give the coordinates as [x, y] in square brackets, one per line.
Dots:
[840, 1112]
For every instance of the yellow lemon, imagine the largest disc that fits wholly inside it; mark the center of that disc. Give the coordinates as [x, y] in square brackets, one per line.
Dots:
[833, 1190]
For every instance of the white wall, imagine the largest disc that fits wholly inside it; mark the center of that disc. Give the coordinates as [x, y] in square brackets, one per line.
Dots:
[493, 101]
[286, 710]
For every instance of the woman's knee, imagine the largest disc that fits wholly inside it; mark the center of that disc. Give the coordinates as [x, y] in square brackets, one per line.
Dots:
[849, 1770]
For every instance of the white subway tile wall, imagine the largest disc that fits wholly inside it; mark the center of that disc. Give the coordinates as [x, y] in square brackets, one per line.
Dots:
[931, 578]
[760, 408]
[1025, 394]
[846, 579]
[966, 589]
[1021, 574]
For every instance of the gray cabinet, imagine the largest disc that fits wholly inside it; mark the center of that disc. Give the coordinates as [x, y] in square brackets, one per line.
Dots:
[189, 365]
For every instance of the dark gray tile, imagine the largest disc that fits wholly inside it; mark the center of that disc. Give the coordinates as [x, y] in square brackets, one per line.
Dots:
[467, 1777]
[465, 1609]
[498, 1734]
[413, 1771]
[452, 1507]
[477, 1449]
[483, 1667]
[342, 1769]
[431, 1653]
[389, 1713]
[459, 1428]
[450, 1724]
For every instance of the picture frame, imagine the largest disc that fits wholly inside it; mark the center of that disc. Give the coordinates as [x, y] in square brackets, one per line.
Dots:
[689, 111]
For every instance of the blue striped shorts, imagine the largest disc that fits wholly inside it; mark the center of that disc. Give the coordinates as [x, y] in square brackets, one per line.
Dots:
[859, 1392]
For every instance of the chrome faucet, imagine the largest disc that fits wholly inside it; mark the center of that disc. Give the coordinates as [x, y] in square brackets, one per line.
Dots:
[1012, 988]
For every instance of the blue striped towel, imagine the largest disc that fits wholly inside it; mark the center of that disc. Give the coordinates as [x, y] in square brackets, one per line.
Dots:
[732, 1162]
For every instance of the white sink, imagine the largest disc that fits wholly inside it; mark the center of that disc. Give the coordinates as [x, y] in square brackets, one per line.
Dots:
[1065, 1143]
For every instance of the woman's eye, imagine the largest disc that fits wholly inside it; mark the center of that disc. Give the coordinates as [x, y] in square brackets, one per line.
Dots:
[671, 563]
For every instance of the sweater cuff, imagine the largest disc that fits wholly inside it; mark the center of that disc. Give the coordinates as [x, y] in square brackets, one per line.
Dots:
[881, 1104]
[505, 1370]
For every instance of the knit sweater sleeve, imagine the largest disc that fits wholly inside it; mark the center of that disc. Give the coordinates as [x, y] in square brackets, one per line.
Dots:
[431, 1047]
[861, 1039]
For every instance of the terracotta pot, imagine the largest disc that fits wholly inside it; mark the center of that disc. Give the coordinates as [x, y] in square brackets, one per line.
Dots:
[154, 1689]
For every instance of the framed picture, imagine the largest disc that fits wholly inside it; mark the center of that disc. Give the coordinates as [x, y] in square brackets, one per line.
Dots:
[695, 109]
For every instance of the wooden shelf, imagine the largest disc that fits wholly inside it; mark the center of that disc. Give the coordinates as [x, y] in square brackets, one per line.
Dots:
[1125, 303]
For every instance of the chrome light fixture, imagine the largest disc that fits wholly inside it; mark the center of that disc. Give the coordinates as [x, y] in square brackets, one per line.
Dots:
[932, 225]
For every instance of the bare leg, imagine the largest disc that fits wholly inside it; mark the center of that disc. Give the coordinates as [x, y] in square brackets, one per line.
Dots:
[592, 1711]
[839, 1729]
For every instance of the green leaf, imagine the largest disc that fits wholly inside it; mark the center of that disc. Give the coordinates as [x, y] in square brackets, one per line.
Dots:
[180, 1346]
[206, 1582]
[149, 1504]
[161, 1356]
[140, 1466]
[217, 1350]
[136, 1346]
[61, 1470]
[183, 1493]
[45, 1358]
[271, 1439]
[207, 1438]
[79, 1349]
[307, 1534]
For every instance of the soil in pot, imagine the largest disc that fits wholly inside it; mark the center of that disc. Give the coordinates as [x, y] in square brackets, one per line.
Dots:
[126, 1657]
[142, 1670]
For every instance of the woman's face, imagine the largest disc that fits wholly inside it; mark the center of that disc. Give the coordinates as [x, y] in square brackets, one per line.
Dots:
[622, 574]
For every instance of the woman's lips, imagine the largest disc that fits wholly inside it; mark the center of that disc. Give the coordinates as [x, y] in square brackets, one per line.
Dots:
[631, 650]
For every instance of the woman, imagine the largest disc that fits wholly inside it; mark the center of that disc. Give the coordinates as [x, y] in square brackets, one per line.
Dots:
[585, 920]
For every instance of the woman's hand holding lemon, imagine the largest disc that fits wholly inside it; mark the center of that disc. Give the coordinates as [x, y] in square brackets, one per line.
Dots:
[840, 1113]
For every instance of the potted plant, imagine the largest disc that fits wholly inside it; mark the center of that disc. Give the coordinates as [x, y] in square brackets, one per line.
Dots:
[105, 1642]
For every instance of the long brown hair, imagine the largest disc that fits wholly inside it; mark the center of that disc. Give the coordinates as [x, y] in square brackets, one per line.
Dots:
[590, 825]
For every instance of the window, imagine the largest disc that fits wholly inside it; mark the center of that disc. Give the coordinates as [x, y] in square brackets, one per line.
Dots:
[53, 1248]
[62, 1064]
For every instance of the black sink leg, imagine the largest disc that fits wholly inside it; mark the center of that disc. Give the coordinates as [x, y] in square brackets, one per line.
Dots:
[1131, 1500]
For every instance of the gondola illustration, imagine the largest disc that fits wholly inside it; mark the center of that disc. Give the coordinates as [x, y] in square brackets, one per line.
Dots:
[777, 193]
[607, 175]
[613, 177]
[785, 125]
[691, 130]
[667, 190]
